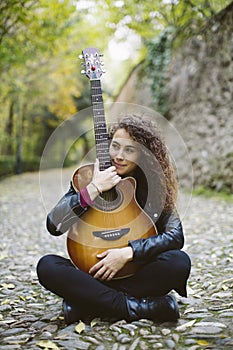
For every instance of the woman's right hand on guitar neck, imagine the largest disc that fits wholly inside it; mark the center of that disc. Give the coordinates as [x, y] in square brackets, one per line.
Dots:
[102, 180]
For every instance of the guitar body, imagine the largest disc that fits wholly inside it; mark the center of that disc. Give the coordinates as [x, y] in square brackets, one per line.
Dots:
[109, 223]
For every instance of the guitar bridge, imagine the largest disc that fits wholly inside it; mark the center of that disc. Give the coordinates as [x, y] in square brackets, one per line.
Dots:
[111, 235]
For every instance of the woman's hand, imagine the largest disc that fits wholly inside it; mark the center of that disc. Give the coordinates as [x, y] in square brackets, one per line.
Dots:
[102, 180]
[112, 261]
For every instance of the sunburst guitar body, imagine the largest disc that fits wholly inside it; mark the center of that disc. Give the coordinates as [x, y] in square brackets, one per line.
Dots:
[109, 223]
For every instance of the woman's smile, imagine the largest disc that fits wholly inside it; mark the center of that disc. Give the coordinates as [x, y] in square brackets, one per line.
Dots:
[117, 165]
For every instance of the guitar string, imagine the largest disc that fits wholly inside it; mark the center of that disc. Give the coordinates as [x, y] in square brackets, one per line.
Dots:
[98, 107]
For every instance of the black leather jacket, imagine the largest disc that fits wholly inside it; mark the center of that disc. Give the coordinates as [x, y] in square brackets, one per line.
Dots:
[170, 233]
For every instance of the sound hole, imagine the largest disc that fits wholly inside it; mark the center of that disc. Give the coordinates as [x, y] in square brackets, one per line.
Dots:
[109, 200]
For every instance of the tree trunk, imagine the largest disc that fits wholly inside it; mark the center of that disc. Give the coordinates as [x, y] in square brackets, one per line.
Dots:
[9, 149]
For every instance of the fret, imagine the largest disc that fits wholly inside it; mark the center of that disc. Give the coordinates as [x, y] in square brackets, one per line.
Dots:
[103, 144]
[103, 154]
[102, 149]
[101, 137]
[101, 134]
[100, 128]
[97, 99]
[99, 122]
[100, 125]
[98, 110]
[96, 92]
[97, 103]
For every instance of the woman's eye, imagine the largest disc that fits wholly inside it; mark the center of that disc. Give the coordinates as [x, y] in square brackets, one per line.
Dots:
[114, 146]
[129, 150]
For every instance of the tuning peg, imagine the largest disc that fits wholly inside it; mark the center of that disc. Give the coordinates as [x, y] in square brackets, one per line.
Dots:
[83, 71]
[81, 57]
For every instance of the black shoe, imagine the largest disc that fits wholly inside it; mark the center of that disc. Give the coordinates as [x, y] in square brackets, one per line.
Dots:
[159, 309]
[71, 314]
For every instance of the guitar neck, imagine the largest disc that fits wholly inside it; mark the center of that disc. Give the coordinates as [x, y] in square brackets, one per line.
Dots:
[100, 128]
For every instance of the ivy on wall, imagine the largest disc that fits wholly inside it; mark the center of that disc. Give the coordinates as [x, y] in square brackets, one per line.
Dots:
[158, 59]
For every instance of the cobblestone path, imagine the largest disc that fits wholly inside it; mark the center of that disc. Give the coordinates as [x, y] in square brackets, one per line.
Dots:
[30, 317]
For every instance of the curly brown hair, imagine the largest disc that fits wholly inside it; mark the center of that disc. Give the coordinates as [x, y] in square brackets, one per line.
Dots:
[146, 132]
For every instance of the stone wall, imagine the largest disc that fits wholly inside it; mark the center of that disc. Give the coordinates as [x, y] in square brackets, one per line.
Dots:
[201, 104]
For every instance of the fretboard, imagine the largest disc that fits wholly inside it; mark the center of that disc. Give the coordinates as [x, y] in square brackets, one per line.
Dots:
[100, 128]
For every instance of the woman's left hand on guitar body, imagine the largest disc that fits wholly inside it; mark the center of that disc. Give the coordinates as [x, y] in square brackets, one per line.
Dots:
[112, 261]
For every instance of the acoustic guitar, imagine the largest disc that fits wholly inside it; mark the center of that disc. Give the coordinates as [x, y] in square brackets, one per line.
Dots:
[115, 217]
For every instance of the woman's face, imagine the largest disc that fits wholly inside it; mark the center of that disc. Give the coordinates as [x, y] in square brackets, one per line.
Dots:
[124, 152]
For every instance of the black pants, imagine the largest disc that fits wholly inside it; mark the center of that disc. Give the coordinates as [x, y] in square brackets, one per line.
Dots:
[170, 270]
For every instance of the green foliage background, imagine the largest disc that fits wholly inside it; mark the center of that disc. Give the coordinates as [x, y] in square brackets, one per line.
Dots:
[40, 42]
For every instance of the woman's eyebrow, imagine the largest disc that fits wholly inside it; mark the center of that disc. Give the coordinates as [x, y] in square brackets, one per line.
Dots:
[131, 146]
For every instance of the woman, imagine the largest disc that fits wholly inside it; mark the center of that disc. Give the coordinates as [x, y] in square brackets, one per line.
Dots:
[136, 149]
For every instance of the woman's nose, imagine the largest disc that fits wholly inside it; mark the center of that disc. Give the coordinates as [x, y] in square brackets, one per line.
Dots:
[120, 154]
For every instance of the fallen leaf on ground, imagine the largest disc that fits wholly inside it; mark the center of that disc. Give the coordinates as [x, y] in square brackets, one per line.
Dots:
[202, 342]
[54, 318]
[185, 325]
[8, 285]
[3, 256]
[47, 344]
[94, 322]
[191, 309]
[80, 327]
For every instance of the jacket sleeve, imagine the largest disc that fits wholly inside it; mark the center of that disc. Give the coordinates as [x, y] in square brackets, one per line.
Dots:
[170, 236]
[65, 213]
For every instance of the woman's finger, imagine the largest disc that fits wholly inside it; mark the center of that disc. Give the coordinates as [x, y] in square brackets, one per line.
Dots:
[107, 276]
[96, 165]
[100, 273]
[96, 267]
[110, 277]
[102, 255]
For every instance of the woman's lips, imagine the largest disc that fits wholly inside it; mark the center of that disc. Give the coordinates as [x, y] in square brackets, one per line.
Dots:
[119, 165]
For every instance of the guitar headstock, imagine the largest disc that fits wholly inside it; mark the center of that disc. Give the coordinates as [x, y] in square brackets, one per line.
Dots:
[92, 63]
